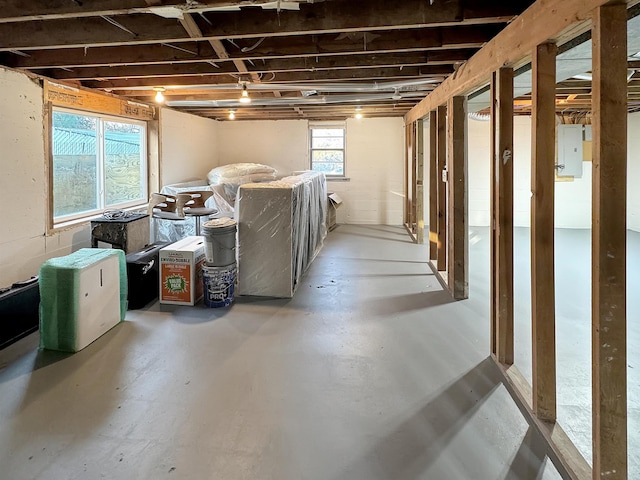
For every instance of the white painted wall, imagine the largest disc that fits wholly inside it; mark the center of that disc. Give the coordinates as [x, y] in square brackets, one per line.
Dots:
[633, 173]
[23, 186]
[281, 144]
[374, 161]
[188, 146]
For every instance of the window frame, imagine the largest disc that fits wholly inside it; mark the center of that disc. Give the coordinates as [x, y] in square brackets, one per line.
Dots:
[329, 125]
[85, 216]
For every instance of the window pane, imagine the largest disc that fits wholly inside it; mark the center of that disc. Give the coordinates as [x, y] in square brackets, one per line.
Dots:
[124, 162]
[75, 164]
[327, 142]
[327, 132]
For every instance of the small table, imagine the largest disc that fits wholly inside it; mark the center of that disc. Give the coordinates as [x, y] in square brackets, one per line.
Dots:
[129, 233]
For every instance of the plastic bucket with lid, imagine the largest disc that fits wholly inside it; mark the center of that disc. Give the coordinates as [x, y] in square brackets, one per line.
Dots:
[220, 241]
[219, 285]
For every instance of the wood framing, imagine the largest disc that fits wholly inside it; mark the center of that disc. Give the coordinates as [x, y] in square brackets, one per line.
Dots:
[609, 340]
[433, 185]
[543, 21]
[442, 187]
[542, 237]
[419, 149]
[502, 269]
[458, 272]
[492, 218]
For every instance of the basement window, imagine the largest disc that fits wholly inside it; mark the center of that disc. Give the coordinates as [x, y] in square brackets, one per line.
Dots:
[327, 148]
[98, 162]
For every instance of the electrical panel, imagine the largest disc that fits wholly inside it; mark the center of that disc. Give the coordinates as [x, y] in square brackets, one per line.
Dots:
[569, 162]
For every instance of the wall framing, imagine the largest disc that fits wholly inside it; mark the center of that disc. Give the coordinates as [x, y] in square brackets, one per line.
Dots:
[531, 36]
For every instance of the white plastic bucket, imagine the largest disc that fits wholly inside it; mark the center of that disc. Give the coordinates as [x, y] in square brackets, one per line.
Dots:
[220, 241]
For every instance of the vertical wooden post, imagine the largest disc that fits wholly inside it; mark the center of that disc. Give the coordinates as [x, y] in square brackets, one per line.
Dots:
[442, 188]
[413, 167]
[407, 176]
[433, 185]
[458, 223]
[504, 215]
[419, 143]
[609, 333]
[542, 237]
[493, 316]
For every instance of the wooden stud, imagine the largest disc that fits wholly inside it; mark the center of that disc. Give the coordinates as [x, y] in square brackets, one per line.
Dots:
[414, 180]
[504, 215]
[492, 220]
[407, 184]
[433, 185]
[442, 188]
[542, 236]
[420, 182]
[543, 20]
[458, 271]
[609, 334]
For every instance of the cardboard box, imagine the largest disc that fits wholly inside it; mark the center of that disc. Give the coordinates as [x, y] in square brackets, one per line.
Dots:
[333, 202]
[181, 271]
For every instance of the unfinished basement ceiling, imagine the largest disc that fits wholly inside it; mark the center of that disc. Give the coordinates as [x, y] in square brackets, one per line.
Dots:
[298, 59]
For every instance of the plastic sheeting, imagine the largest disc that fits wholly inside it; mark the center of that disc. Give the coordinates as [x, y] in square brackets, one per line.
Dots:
[281, 228]
[82, 295]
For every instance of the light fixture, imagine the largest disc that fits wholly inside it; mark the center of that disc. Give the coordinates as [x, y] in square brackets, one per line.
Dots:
[358, 114]
[159, 95]
[244, 98]
[232, 114]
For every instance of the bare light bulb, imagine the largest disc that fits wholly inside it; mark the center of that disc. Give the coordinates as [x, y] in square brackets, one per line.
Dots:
[244, 98]
[232, 115]
[159, 96]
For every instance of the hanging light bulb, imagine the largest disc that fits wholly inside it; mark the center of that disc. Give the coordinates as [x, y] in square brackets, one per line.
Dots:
[244, 98]
[159, 95]
[232, 114]
[358, 114]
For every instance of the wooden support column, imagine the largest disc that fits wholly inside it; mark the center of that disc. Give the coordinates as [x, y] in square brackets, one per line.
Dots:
[542, 238]
[609, 334]
[419, 181]
[414, 181]
[492, 218]
[433, 185]
[458, 271]
[503, 214]
[407, 176]
[442, 188]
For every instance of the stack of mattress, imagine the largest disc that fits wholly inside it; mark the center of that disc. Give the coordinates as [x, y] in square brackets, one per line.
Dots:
[281, 227]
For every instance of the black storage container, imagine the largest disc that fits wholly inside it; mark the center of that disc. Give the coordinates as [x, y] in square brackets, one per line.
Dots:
[19, 311]
[143, 275]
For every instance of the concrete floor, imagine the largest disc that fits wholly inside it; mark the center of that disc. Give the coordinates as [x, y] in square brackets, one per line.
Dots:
[370, 372]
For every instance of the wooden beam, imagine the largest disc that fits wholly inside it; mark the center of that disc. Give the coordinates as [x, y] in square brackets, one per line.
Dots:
[190, 25]
[503, 190]
[213, 66]
[458, 271]
[609, 341]
[380, 74]
[407, 176]
[420, 182]
[413, 152]
[313, 18]
[433, 40]
[493, 315]
[512, 47]
[542, 235]
[442, 187]
[563, 453]
[433, 185]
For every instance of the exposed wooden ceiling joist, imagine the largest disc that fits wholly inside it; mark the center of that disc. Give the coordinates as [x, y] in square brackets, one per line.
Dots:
[337, 16]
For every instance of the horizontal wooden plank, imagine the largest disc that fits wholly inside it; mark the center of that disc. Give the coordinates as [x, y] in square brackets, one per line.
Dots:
[565, 456]
[512, 45]
[338, 17]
